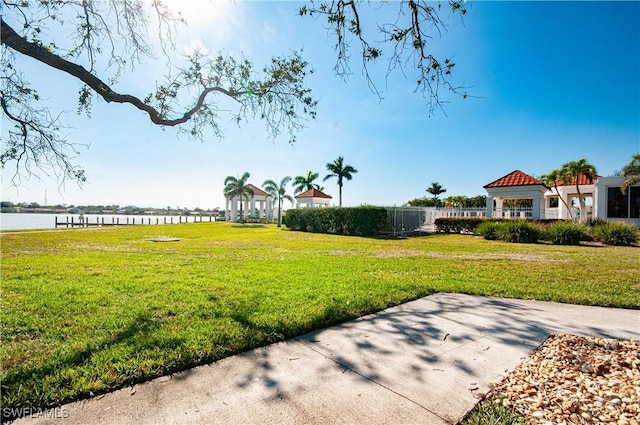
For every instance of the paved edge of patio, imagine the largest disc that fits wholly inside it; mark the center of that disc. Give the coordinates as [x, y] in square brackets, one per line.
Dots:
[425, 361]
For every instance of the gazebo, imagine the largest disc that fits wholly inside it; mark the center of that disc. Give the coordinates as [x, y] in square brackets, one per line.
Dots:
[313, 198]
[265, 204]
[604, 198]
[515, 185]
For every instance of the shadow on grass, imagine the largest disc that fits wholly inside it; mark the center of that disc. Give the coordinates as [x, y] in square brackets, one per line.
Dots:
[421, 344]
[142, 326]
[412, 342]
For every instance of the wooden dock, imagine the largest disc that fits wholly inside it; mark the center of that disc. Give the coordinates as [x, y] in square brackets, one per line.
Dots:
[71, 221]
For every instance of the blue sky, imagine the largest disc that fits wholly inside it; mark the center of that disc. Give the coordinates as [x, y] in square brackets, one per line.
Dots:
[551, 82]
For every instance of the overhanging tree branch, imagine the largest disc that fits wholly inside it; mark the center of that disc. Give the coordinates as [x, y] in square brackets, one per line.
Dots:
[14, 41]
[404, 42]
[115, 33]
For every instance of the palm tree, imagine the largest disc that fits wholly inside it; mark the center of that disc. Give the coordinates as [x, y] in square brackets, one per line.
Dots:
[457, 201]
[302, 183]
[631, 173]
[552, 178]
[436, 189]
[341, 171]
[237, 186]
[574, 169]
[279, 193]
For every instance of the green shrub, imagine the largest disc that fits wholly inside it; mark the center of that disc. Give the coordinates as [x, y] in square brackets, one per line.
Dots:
[519, 231]
[458, 224]
[360, 221]
[567, 233]
[488, 230]
[615, 233]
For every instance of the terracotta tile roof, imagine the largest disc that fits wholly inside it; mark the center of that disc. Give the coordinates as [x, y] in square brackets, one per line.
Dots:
[515, 178]
[582, 180]
[313, 193]
[257, 191]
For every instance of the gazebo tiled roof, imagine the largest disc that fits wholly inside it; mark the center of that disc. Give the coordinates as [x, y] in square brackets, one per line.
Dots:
[515, 178]
[257, 191]
[313, 193]
[582, 180]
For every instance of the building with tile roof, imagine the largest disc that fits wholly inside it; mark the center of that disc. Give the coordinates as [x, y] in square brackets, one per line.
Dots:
[515, 186]
[313, 198]
[513, 179]
[260, 197]
[603, 196]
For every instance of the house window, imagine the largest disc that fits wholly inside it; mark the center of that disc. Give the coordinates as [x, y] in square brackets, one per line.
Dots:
[617, 205]
[553, 202]
[634, 198]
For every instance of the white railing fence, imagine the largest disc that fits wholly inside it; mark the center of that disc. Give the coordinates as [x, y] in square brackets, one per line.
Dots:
[405, 220]
[513, 212]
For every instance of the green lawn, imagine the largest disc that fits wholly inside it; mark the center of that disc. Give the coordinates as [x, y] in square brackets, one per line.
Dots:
[89, 310]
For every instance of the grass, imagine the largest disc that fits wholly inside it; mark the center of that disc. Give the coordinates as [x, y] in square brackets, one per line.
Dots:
[89, 310]
[489, 412]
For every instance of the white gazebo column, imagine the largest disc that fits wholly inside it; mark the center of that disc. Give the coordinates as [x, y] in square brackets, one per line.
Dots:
[489, 206]
[261, 211]
[246, 207]
[269, 209]
[252, 211]
[536, 204]
[498, 209]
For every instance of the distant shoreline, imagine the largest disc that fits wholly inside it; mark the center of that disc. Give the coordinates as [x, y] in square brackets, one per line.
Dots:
[104, 212]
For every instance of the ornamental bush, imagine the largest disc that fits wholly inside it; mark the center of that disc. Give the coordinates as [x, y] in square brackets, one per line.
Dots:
[615, 233]
[459, 224]
[519, 231]
[567, 233]
[359, 221]
[488, 230]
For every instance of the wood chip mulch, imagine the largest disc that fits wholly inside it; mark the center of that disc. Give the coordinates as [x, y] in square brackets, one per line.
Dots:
[571, 379]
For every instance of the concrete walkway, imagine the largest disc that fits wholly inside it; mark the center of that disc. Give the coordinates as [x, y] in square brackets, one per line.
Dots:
[424, 362]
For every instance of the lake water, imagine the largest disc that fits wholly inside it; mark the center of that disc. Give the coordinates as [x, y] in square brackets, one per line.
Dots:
[13, 221]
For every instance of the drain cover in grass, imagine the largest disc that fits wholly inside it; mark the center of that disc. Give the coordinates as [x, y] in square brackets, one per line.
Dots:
[164, 240]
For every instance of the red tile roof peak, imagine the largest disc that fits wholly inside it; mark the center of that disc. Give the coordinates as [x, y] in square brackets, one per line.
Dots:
[313, 193]
[582, 180]
[515, 178]
[257, 191]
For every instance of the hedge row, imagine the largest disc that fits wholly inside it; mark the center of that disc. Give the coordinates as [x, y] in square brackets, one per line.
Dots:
[359, 221]
[559, 232]
[469, 224]
[459, 224]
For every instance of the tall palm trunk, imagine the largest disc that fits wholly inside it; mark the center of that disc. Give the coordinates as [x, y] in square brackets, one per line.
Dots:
[279, 212]
[583, 207]
[569, 210]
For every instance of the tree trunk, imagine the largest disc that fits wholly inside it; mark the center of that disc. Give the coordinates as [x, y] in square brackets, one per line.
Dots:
[583, 214]
[563, 201]
[279, 212]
